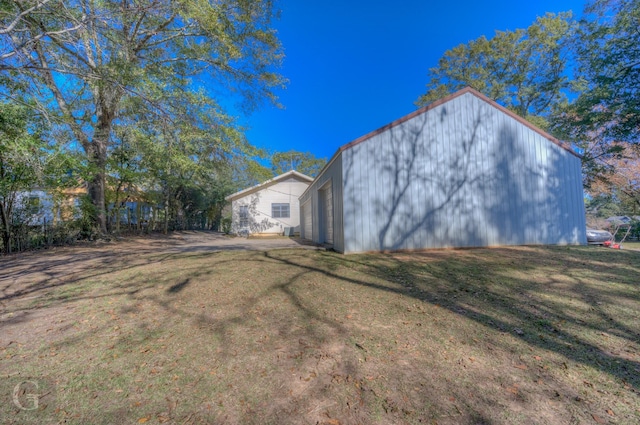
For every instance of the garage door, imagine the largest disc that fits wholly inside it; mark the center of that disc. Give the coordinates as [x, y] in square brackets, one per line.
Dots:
[328, 214]
[305, 226]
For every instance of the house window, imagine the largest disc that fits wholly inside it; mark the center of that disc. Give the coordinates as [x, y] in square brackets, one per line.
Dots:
[280, 211]
[33, 205]
[244, 215]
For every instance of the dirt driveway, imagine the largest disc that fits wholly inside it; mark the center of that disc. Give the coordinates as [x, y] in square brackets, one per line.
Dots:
[56, 265]
[211, 241]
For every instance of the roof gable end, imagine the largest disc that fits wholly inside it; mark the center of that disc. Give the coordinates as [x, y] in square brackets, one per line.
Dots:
[449, 98]
[282, 177]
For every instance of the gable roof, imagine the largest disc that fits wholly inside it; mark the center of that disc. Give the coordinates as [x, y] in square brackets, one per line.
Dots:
[449, 98]
[442, 101]
[281, 177]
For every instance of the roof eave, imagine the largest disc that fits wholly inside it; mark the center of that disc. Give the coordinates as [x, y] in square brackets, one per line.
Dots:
[449, 98]
[268, 183]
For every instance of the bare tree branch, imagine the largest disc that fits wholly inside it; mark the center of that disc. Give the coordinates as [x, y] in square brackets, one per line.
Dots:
[22, 14]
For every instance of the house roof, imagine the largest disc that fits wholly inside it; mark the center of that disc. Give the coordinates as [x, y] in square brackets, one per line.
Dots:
[442, 101]
[623, 219]
[281, 177]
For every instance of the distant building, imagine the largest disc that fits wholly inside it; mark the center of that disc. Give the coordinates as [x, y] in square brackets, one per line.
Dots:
[270, 207]
[49, 206]
[622, 219]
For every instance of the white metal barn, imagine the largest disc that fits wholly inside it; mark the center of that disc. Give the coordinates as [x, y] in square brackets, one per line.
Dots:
[461, 172]
[270, 207]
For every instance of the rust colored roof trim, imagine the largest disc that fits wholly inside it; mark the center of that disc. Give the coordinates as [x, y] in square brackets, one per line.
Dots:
[444, 100]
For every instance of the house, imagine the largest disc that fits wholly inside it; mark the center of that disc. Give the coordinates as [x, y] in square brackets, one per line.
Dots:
[461, 172]
[41, 206]
[129, 207]
[270, 207]
[622, 219]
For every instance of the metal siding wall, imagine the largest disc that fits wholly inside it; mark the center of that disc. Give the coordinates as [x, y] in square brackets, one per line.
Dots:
[478, 192]
[338, 205]
[457, 150]
[349, 205]
[332, 173]
[326, 205]
[463, 174]
[353, 208]
[306, 231]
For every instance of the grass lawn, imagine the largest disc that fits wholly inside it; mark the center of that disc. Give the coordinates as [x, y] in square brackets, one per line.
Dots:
[148, 333]
[635, 245]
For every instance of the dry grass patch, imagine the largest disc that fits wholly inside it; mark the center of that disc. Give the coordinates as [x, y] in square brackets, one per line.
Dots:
[135, 334]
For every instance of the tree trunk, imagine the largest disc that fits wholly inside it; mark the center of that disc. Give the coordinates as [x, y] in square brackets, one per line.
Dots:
[97, 153]
[96, 188]
[166, 216]
[6, 230]
[116, 210]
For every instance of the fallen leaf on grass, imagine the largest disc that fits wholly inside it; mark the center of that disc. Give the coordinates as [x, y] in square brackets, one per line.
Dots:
[610, 412]
[537, 358]
[143, 420]
[598, 419]
[521, 366]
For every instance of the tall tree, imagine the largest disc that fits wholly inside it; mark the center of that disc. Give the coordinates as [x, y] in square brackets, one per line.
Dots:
[524, 70]
[303, 162]
[606, 113]
[621, 180]
[83, 58]
[608, 72]
[26, 161]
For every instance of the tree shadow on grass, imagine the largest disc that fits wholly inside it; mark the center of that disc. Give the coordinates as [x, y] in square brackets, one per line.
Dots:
[470, 292]
[287, 328]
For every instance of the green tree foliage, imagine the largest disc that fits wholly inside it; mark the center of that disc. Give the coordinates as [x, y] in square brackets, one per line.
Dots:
[303, 162]
[609, 71]
[26, 161]
[606, 113]
[85, 58]
[524, 70]
[184, 168]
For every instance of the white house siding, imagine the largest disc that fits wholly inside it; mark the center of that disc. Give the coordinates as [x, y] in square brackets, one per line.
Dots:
[45, 211]
[259, 204]
[462, 174]
[332, 175]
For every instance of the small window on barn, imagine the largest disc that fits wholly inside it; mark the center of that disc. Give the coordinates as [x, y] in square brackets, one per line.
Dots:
[280, 211]
[244, 215]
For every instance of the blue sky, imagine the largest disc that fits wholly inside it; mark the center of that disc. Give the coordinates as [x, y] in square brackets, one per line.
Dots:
[354, 65]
